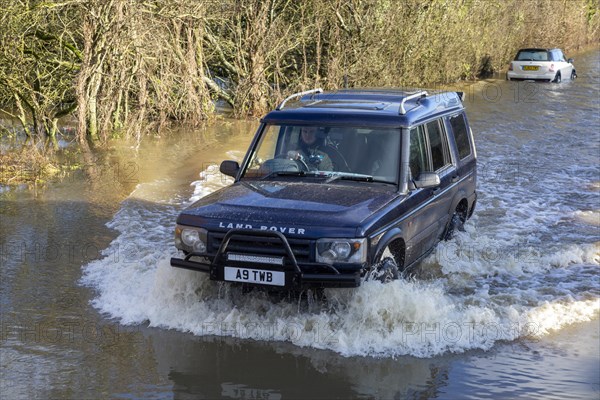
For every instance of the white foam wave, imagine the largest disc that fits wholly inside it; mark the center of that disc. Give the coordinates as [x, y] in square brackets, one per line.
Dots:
[474, 253]
[591, 217]
[404, 317]
[212, 179]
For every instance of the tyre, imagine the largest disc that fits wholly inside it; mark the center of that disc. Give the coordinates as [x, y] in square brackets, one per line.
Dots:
[384, 271]
[557, 78]
[573, 75]
[390, 265]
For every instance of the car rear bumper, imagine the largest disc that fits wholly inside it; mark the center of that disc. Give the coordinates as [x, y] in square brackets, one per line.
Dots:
[513, 75]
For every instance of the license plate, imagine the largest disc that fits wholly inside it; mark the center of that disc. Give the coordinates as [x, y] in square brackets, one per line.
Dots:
[530, 68]
[260, 276]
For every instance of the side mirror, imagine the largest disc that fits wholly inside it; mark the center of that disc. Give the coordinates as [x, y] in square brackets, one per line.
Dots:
[230, 168]
[427, 180]
[571, 60]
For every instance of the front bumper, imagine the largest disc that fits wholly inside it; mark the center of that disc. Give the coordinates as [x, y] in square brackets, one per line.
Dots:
[296, 276]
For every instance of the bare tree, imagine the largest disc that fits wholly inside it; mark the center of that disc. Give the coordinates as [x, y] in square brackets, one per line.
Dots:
[130, 66]
[38, 62]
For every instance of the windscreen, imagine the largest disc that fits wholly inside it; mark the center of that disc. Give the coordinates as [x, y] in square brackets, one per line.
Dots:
[320, 150]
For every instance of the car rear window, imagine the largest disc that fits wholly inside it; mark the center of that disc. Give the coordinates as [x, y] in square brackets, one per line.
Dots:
[532, 55]
[438, 145]
[461, 136]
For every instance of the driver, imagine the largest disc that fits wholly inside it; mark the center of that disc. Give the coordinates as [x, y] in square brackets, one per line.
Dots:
[311, 150]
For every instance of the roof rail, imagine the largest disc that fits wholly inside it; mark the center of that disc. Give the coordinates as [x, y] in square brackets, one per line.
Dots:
[416, 95]
[299, 94]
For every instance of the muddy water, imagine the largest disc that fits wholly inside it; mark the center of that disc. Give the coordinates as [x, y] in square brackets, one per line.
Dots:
[509, 308]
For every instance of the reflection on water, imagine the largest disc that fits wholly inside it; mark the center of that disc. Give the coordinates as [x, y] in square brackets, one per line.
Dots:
[242, 370]
[501, 310]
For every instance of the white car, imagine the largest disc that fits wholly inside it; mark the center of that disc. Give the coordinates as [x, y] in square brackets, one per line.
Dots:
[541, 64]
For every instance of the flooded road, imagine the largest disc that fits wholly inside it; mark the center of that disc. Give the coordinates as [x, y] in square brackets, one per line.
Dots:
[509, 308]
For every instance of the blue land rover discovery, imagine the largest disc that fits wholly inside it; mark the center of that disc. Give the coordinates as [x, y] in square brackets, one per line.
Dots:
[335, 189]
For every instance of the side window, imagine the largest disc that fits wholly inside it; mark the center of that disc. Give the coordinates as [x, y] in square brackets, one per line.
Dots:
[461, 135]
[268, 145]
[438, 144]
[418, 152]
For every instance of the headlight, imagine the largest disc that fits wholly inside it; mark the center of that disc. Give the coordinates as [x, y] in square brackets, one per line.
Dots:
[332, 251]
[193, 239]
[190, 237]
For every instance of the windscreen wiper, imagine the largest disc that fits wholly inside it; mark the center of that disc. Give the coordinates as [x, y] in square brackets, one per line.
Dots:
[355, 177]
[284, 173]
[350, 177]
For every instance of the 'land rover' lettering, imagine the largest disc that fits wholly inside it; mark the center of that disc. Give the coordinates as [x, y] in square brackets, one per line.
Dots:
[236, 226]
[282, 229]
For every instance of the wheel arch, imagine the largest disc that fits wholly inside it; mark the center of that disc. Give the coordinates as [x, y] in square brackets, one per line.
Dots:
[394, 237]
[557, 77]
[459, 199]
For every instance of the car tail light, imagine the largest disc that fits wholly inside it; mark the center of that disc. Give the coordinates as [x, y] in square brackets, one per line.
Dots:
[510, 67]
[551, 68]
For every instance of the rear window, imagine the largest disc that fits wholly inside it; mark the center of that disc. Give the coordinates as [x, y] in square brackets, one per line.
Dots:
[461, 136]
[438, 145]
[532, 55]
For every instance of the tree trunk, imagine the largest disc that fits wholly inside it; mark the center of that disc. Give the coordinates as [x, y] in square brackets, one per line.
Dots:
[93, 106]
[22, 118]
[82, 80]
[138, 122]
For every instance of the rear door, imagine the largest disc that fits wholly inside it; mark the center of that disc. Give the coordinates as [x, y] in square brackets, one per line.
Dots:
[442, 163]
[421, 224]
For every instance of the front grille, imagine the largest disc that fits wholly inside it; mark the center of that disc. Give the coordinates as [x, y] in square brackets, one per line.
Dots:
[251, 244]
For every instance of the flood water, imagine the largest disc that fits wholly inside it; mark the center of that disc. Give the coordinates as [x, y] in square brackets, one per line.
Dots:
[510, 308]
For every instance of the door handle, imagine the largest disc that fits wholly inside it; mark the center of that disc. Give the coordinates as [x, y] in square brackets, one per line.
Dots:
[435, 191]
[454, 179]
